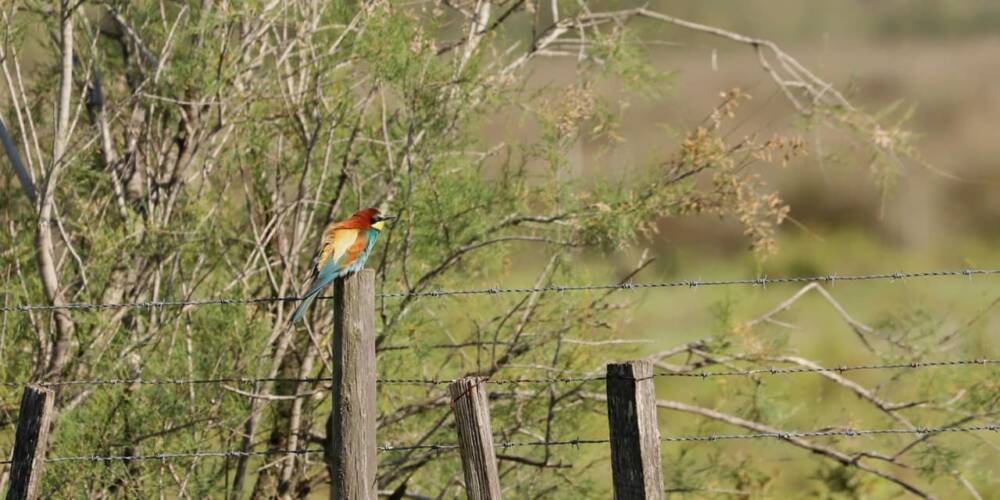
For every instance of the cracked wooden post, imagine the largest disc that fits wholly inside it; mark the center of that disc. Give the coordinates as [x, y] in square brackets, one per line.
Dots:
[30, 441]
[351, 429]
[471, 405]
[635, 436]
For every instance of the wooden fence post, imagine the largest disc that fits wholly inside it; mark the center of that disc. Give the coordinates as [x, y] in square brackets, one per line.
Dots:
[30, 441]
[471, 405]
[635, 435]
[351, 429]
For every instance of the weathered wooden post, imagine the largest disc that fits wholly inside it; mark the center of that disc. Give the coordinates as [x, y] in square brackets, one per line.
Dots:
[471, 405]
[351, 428]
[635, 435]
[30, 441]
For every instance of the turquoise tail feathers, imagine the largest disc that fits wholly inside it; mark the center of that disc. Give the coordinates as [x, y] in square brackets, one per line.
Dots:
[303, 307]
[309, 298]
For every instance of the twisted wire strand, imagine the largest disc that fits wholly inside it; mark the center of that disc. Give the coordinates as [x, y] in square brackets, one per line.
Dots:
[837, 369]
[179, 381]
[452, 345]
[762, 281]
[388, 448]
[517, 381]
[832, 433]
[731, 373]
[177, 455]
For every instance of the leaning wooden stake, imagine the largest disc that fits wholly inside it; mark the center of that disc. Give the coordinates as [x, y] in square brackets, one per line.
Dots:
[30, 440]
[351, 428]
[635, 436]
[475, 438]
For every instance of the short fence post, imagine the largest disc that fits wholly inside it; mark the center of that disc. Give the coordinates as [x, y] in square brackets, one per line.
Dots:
[351, 429]
[635, 435]
[471, 405]
[30, 441]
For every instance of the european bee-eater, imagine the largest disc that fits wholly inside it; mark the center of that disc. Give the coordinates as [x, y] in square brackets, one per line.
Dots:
[346, 246]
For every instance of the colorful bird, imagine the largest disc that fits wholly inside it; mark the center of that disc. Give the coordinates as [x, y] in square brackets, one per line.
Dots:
[346, 246]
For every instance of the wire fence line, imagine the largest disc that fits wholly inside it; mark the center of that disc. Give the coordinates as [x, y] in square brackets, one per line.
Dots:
[762, 281]
[452, 345]
[730, 373]
[836, 369]
[515, 381]
[162, 457]
[785, 435]
[389, 448]
[178, 381]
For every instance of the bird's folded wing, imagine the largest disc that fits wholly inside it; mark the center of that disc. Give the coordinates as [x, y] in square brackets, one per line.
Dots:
[357, 254]
[336, 243]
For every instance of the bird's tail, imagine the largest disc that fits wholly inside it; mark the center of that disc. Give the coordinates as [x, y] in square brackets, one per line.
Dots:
[308, 300]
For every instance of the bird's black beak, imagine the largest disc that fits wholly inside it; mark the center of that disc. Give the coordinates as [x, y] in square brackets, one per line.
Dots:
[386, 218]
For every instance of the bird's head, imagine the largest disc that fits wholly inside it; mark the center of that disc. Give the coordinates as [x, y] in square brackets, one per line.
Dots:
[374, 218]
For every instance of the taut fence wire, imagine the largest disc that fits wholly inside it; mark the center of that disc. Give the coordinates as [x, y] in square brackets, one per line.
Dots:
[176, 381]
[730, 373]
[762, 281]
[517, 381]
[162, 457]
[718, 437]
[388, 448]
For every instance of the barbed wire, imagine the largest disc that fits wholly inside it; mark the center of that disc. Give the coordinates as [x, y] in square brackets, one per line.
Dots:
[455, 345]
[762, 281]
[836, 369]
[387, 448]
[160, 304]
[755, 371]
[179, 381]
[512, 381]
[177, 455]
[833, 433]
[494, 381]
